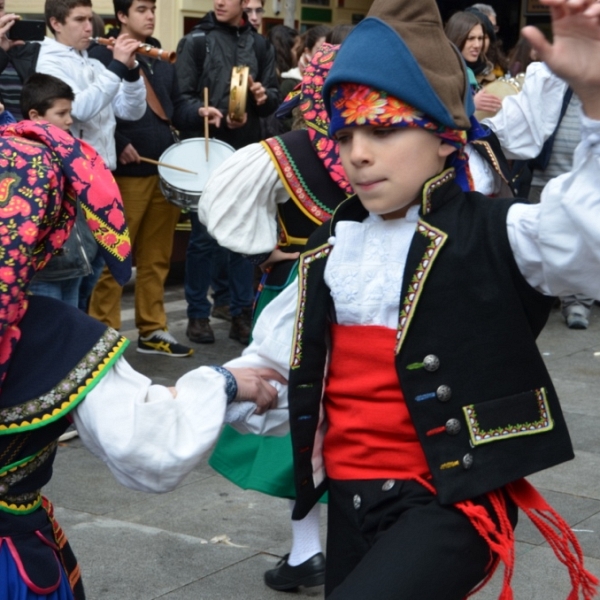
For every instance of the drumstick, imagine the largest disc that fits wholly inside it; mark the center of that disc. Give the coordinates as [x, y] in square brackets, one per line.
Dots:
[206, 122]
[168, 166]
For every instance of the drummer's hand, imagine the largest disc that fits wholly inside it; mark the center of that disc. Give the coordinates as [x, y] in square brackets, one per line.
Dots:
[214, 115]
[257, 90]
[277, 256]
[6, 22]
[129, 155]
[236, 124]
[124, 50]
[486, 101]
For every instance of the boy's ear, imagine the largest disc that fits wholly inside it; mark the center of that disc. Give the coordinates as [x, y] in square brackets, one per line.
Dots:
[121, 17]
[445, 150]
[34, 115]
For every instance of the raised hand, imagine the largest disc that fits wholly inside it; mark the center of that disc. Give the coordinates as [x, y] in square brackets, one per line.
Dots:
[574, 53]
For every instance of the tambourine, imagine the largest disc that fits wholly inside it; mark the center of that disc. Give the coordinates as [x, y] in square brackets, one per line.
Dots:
[238, 93]
[500, 88]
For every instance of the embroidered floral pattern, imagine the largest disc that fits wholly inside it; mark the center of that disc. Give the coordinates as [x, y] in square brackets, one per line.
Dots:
[354, 104]
[480, 436]
[306, 260]
[437, 239]
[67, 393]
[42, 170]
[295, 184]
[13, 474]
[312, 107]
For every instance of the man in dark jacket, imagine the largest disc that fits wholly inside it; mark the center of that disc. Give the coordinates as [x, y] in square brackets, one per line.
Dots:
[224, 38]
[151, 219]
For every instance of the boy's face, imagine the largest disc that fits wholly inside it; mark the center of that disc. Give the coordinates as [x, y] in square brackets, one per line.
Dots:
[76, 30]
[59, 114]
[140, 20]
[254, 11]
[230, 12]
[388, 166]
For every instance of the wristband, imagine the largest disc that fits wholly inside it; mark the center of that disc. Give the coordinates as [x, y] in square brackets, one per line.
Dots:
[231, 388]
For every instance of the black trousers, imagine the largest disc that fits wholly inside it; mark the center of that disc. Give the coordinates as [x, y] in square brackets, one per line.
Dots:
[392, 540]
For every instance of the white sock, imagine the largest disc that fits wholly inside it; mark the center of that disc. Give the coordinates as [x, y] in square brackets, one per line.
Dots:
[306, 541]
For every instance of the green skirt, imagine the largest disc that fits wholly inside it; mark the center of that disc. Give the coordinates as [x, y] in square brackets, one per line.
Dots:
[257, 462]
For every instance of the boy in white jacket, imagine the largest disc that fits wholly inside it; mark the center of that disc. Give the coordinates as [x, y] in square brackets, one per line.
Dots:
[101, 93]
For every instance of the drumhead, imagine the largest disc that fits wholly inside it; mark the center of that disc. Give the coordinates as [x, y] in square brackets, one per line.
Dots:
[190, 154]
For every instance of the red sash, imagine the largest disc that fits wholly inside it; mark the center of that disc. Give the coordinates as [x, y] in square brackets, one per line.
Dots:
[370, 433]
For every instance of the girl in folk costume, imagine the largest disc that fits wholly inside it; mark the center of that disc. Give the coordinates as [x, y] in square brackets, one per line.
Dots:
[58, 365]
[274, 195]
[417, 395]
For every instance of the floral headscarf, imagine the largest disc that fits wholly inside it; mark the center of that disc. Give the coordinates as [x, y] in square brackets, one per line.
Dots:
[309, 97]
[42, 171]
[354, 104]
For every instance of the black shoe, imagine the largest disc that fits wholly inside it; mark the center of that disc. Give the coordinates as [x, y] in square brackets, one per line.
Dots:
[284, 578]
[240, 329]
[200, 332]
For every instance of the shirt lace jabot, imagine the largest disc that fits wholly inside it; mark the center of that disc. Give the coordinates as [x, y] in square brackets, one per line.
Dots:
[364, 270]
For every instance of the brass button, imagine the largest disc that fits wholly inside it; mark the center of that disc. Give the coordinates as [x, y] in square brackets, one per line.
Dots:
[431, 363]
[388, 485]
[453, 426]
[356, 501]
[467, 461]
[443, 393]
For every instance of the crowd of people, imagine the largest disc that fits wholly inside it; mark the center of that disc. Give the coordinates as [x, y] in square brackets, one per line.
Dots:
[381, 216]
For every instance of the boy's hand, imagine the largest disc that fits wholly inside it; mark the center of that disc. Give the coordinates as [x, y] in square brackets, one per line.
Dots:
[253, 386]
[129, 155]
[214, 115]
[576, 49]
[124, 50]
[257, 90]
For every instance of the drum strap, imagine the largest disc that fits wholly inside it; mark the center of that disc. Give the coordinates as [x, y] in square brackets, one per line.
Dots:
[152, 99]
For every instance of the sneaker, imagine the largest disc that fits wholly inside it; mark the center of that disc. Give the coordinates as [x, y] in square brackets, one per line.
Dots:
[286, 578]
[221, 312]
[162, 342]
[199, 331]
[576, 320]
[240, 329]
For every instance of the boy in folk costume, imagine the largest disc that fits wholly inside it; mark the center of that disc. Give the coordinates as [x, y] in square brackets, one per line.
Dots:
[421, 302]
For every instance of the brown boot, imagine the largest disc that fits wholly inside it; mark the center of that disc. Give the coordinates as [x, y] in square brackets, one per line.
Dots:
[200, 332]
[240, 329]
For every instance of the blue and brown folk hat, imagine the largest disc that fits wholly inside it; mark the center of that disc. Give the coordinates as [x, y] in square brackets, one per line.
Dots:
[400, 48]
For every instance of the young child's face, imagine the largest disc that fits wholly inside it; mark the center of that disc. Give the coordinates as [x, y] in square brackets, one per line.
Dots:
[59, 114]
[388, 166]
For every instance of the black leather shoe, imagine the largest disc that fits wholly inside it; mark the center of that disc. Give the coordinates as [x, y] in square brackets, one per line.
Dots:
[284, 578]
[199, 331]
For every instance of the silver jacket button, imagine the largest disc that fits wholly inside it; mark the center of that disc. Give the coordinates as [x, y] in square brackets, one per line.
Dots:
[356, 501]
[443, 393]
[467, 461]
[388, 485]
[431, 363]
[453, 426]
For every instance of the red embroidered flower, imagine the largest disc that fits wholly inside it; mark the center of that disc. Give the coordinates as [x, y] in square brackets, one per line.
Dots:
[28, 231]
[7, 275]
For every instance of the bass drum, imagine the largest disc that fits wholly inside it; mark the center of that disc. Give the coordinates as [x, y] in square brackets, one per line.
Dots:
[500, 88]
[184, 189]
